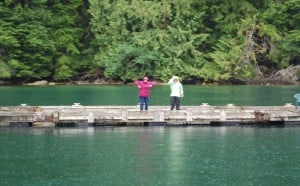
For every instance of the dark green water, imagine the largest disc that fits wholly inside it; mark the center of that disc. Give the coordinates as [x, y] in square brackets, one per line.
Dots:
[150, 156]
[127, 95]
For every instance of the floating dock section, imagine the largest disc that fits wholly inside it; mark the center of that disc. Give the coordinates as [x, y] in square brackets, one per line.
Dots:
[79, 115]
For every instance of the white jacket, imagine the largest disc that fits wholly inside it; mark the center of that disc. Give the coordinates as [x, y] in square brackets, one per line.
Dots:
[176, 88]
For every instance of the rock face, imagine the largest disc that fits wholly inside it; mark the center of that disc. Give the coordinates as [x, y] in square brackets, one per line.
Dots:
[290, 75]
[39, 83]
[287, 76]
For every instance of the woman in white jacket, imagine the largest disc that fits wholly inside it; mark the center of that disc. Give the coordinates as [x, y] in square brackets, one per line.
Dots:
[176, 92]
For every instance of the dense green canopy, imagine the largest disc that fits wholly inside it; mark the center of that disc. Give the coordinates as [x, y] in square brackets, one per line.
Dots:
[217, 40]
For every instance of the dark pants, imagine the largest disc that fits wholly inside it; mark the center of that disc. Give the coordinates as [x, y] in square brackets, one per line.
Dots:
[175, 102]
[144, 102]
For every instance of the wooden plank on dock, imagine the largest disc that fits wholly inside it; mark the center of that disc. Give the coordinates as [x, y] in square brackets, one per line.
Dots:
[131, 115]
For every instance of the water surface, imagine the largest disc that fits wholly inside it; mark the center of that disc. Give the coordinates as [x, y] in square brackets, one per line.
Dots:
[128, 95]
[150, 156]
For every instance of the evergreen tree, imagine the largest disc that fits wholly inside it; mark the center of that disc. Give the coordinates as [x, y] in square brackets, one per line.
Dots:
[125, 39]
[36, 34]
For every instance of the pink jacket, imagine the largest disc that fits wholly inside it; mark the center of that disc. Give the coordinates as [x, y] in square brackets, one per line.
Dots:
[144, 87]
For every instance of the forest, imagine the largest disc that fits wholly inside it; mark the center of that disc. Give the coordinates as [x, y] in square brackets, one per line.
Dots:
[123, 40]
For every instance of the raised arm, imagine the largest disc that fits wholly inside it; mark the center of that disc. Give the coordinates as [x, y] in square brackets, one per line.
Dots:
[171, 81]
[137, 83]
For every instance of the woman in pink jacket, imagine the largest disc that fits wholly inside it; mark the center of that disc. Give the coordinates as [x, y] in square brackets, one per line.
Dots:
[144, 92]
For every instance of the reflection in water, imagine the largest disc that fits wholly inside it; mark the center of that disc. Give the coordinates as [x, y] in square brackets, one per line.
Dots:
[150, 156]
[176, 159]
[73, 131]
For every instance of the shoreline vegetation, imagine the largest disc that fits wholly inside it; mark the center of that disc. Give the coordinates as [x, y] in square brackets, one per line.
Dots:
[288, 76]
[265, 82]
[116, 42]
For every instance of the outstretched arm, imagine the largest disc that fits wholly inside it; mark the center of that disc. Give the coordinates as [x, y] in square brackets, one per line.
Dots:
[152, 83]
[137, 83]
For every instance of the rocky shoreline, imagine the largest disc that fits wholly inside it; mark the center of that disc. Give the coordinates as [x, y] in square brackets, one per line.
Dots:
[287, 76]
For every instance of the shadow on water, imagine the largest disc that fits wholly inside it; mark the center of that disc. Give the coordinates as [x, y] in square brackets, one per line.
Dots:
[266, 124]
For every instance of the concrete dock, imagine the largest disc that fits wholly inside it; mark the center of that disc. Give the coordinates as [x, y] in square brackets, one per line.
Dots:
[79, 115]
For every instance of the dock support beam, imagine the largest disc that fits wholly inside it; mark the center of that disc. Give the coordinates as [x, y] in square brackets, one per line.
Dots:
[159, 117]
[124, 116]
[189, 116]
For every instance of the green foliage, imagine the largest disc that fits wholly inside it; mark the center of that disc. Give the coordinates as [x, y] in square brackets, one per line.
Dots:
[209, 40]
[229, 62]
[20, 69]
[130, 62]
[5, 72]
[291, 45]
[38, 33]
[291, 42]
[63, 70]
[167, 34]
